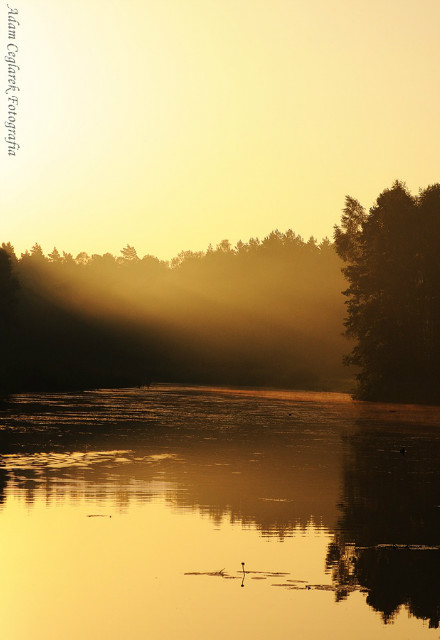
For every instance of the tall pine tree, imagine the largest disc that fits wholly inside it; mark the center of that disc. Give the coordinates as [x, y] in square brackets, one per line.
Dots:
[392, 268]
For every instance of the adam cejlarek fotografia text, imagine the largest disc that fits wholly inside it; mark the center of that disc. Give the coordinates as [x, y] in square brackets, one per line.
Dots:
[12, 89]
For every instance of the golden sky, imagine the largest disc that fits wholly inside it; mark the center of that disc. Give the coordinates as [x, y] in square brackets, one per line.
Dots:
[170, 124]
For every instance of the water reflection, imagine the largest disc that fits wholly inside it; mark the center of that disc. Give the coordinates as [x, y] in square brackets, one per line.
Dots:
[388, 536]
[275, 490]
[257, 460]
[284, 465]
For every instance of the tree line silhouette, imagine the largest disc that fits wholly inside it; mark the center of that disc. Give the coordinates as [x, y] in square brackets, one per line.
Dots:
[393, 298]
[263, 313]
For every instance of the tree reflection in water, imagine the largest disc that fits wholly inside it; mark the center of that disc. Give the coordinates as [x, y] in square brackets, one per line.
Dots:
[388, 536]
[269, 461]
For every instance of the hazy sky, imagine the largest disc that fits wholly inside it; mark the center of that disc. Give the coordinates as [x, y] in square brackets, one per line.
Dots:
[170, 124]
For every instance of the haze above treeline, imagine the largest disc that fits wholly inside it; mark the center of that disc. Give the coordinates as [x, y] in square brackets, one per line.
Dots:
[266, 312]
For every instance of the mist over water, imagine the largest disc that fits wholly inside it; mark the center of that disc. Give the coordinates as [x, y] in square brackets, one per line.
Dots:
[152, 498]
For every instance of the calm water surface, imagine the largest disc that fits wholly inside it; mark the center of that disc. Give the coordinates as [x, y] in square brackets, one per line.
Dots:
[129, 513]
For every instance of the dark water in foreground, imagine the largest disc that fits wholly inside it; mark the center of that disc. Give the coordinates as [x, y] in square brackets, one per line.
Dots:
[128, 514]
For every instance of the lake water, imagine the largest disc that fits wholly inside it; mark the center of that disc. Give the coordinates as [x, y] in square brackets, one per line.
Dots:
[128, 514]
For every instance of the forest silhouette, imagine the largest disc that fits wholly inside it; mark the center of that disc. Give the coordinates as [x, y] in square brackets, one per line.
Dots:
[262, 313]
[265, 313]
[393, 298]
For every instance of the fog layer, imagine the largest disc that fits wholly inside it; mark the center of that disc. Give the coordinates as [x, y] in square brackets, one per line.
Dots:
[264, 313]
